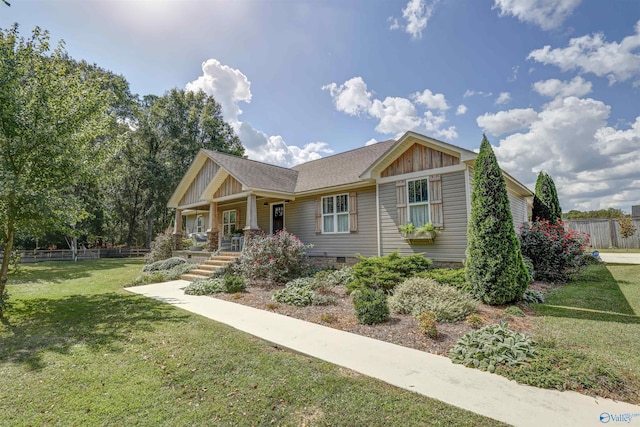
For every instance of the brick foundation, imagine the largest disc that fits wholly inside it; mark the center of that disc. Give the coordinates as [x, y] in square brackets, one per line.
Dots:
[177, 241]
[212, 240]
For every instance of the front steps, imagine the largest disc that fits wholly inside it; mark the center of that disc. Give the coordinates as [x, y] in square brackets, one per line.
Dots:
[217, 262]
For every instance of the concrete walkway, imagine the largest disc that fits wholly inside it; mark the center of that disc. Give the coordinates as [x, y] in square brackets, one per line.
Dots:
[621, 258]
[428, 374]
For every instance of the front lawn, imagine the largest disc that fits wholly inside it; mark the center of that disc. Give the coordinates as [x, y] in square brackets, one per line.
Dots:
[589, 333]
[78, 350]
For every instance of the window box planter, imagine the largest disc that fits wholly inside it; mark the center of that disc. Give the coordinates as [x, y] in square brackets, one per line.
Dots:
[424, 234]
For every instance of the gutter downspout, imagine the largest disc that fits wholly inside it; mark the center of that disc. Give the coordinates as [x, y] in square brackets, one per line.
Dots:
[378, 219]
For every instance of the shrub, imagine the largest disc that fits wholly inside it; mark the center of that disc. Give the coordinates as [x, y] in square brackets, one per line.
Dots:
[428, 326]
[370, 306]
[528, 264]
[165, 264]
[588, 259]
[161, 248]
[495, 269]
[545, 201]
[205, 287]
[278, 258]
[301, 292]
[416, 295]
[176, 272]
[491, 346]
[233, 283]
[329, 318]
[531, 296]
[475, 321]
[514, 311]
[554, 251]
[334, 277]
[455, 277]
[386, 272]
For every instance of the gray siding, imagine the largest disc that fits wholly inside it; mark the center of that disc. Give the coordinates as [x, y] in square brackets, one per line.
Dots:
[450, 245]
[300, 220]
[518, 205]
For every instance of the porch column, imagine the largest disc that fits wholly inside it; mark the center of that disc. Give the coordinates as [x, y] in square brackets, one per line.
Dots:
[177, 231]
[213, 232]
[252, 216]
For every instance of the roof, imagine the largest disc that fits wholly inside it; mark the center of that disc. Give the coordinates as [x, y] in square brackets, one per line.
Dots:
[255, 174]
[339, 169]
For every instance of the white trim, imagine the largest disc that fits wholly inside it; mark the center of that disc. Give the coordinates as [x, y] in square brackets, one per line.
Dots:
[271, 215]
[187, 179]
[231, 197]
[335, 214]
[422, 174]
[274, 195]
[378, 219]
[337, 188]
[409, 204]
[215, 183]
[229, 223]
[199, 228]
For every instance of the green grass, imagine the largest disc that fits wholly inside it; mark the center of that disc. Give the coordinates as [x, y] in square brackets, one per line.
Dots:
[78, 350]
[590, 333]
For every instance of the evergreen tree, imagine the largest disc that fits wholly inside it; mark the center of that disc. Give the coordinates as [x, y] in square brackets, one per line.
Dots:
[495, 267]
[545, 202]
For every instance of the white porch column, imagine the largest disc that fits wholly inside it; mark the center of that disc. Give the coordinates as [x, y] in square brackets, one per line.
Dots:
[213, 216]
[178, 222]
[252, 214]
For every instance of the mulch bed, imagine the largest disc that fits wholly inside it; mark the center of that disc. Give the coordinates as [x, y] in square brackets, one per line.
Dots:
[399, 329]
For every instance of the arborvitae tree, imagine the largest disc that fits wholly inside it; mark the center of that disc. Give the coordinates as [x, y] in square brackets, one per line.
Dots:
[495, 268]
[545, 202]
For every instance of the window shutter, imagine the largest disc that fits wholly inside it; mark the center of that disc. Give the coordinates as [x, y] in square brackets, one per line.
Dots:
[435, 200]
[238, 219]
[401, 201]
[353, 212]
[318, 215]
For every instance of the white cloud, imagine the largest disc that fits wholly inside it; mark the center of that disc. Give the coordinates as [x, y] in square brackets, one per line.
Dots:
[351, 97]
[503, 98]
[469, 93]
[395, 115]
[594, 165]
[416, 14]
[230, 86]
[371, 142]
[514, 73]
[554, 87]
[592, 54]
[507, 121]
[547, 14]
[432, 101]
[462, 109]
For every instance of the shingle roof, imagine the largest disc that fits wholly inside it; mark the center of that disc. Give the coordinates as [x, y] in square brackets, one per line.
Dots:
[255, 174]
[339, 169]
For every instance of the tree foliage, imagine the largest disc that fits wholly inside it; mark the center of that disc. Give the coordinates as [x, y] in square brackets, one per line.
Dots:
[53, 114]
[495, 268]
[627, 229]
[600, 213]
[545, 201]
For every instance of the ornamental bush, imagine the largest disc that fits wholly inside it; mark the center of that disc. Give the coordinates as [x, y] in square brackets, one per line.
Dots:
[455, 277]
[387, 271]
[554, 251]
[370, 306]
[165, 264]
[495, 268]
[302, 292]
[418, 295]
[491, 346]
[278, 258]
[161, 248]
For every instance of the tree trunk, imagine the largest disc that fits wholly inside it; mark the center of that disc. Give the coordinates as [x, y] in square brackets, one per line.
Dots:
[149, 229]
[4, 270]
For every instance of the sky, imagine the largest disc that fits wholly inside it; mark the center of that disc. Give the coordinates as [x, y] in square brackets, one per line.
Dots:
[554, 84]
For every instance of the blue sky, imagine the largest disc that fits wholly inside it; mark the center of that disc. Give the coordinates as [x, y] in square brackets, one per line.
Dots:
[555, 84]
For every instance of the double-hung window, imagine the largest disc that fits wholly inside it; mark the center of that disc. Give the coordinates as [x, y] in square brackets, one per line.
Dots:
[199, 224]
[418, 201]
[335, 214]
[228, 222]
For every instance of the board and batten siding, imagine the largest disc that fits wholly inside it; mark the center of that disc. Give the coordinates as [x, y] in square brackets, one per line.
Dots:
[518, 206]
[197, 187]
[190, 221]
[450, 244]
[299, 219]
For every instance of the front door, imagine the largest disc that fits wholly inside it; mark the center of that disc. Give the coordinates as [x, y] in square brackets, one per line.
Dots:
[277, 218]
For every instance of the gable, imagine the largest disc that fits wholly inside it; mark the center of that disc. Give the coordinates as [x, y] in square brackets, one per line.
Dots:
[418, 158]
[199, 183]
[228, 187]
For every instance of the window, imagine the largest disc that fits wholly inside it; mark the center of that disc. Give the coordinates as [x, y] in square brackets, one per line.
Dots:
[199, 224]
[228, 222]
[335, 214]
[418, 201]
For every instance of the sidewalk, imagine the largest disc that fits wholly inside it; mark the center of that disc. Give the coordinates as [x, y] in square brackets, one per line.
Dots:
[428, 374]
[620, 258]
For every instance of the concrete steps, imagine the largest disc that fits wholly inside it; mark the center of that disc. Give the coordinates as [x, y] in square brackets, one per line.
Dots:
[217, 262]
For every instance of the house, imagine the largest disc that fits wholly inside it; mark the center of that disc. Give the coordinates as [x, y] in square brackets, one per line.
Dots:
[348, 203]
